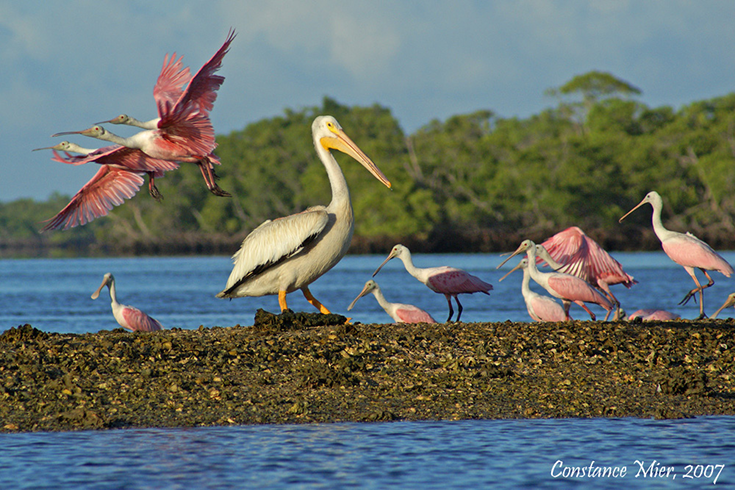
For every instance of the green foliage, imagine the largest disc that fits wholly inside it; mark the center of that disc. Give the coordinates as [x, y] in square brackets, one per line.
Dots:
[580, 163]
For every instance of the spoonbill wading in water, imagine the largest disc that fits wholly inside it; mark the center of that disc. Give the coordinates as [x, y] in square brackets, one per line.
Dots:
[289, 253]
[573, 252]
[686, 250]
[183, 131]
[445, 280]
[568, 288]
[127, 316]
[541, 308]
[399, 312]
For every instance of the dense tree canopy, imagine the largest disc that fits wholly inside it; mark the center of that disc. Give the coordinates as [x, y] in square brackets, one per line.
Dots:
[475, 182]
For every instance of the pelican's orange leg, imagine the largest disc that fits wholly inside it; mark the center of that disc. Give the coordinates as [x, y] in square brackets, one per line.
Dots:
[311, 299]
[282, 300]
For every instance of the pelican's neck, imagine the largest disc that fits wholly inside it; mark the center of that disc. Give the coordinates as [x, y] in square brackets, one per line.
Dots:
[340, 191]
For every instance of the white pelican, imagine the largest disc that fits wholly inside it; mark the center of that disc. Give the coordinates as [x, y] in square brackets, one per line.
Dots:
[289, 253]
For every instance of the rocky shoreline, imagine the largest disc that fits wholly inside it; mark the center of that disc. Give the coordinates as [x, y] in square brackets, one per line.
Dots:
[304, 368]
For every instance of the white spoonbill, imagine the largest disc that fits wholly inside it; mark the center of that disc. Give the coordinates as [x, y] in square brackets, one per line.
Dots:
[289, 253]
[568, 288]
[541, 308]
[445, 280]
[399, 312]
[686, 250]
[127, 316]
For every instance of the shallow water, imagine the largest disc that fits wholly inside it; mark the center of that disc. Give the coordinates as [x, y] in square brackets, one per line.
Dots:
[54, 294]
[465, 454]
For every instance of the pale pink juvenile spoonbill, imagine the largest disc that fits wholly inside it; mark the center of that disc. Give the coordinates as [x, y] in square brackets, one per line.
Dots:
[183, 131]
[541, 308]
[652, 314]
[127, 316]
[288, 254]
[577, 254]
[730, 301]
[445, 280]
[568, 288]
[399, 312]
[686, 250]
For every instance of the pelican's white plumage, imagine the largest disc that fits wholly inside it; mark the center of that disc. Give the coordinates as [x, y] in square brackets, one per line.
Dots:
[287, 254]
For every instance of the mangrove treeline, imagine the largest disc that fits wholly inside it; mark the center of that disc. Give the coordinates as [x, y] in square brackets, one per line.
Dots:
[476, 182]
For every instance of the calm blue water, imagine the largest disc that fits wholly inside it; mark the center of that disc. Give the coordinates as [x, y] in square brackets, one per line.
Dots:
[53, 295]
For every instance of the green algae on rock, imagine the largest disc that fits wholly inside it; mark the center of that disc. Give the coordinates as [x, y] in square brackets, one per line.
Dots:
[302, 368]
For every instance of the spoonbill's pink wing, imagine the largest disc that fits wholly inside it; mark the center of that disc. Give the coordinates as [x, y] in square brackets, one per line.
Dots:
[448, 280]
[545, 309]
[689, 251]
[413, 314]
[171, 81]
[140, 322]
[108, 188]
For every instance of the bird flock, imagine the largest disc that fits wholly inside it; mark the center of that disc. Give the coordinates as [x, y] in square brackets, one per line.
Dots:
[289, 253]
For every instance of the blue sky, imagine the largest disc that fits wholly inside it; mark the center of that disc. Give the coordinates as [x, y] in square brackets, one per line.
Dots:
[68, 64]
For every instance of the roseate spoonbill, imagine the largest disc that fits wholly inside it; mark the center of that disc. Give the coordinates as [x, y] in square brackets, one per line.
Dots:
[117, 156]
[730, 301]
[127, 316]
[541, 308]
[652, 314]
[579, 255]
[686, 250]
[201, 90]
[399, 312]
[289, 253]
[568, 288]
[443, 280]
[183, 131]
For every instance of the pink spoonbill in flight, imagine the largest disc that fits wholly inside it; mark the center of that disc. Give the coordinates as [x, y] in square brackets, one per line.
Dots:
[445, 280]
[686, 250]
[183, 131]
[289, 253]
[541, 308]
[575, 253]
[399, 312]
[127, 316]
[568, 288]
